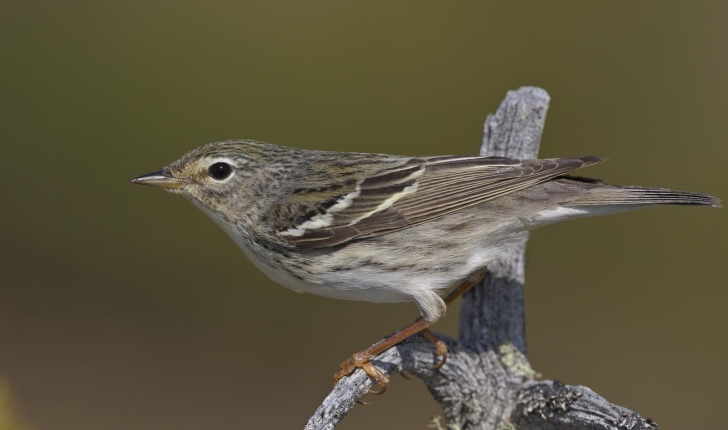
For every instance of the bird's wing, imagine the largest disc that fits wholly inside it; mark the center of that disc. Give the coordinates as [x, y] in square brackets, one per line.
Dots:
[415, 191]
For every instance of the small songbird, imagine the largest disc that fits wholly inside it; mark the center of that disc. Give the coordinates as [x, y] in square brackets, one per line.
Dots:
[385, 228]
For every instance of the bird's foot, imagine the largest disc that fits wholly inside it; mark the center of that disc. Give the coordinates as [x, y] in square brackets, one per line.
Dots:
[440, 347]
[361, 360]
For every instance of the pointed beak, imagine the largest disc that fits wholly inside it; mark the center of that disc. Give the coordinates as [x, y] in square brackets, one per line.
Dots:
[161, 179]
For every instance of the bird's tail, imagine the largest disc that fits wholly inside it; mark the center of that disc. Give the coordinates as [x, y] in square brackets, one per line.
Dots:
[633, 197]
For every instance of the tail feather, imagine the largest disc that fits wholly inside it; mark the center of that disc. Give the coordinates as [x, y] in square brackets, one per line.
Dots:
[639, 196]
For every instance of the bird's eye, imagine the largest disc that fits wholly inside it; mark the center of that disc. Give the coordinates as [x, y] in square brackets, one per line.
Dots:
[220, 171]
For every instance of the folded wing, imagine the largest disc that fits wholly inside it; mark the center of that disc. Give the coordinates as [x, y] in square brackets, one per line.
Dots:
[416, 191]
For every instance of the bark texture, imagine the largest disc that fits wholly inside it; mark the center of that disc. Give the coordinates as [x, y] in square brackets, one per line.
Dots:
[487, 382]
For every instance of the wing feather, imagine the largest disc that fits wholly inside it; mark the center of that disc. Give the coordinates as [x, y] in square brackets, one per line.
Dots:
[417, 191]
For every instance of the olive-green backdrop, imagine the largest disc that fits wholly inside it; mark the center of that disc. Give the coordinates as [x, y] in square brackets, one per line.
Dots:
[123, 307]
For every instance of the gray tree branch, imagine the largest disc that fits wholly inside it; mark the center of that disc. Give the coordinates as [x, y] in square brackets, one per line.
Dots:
[487, 382]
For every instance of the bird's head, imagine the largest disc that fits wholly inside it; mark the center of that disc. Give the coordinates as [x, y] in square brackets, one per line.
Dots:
[231, 178]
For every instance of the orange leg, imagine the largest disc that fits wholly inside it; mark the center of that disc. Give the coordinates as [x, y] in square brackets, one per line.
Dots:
[464, 286]
[361, 358]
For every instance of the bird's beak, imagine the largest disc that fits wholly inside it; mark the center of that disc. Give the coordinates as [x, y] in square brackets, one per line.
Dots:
[161, 179]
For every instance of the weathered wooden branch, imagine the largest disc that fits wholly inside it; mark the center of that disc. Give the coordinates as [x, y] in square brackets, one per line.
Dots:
[487, 382]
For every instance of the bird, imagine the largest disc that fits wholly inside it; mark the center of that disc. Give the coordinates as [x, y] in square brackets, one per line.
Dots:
[388, 228]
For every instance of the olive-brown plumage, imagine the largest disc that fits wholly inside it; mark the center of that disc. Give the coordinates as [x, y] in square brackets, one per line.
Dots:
[386, 228]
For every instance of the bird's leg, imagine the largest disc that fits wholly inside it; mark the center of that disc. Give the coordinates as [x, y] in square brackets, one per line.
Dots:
[464, 286]
[440, 347]
[361, 358]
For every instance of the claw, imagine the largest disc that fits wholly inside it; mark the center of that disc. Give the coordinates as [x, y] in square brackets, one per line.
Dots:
[443, 360]
[404, 375]
[440, 347]
[379, 392]
[374, 372]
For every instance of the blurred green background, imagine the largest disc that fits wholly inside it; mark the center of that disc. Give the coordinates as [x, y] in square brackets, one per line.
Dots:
[123, 307]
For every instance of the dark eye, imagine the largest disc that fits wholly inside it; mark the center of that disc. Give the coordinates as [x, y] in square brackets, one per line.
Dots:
[220, 171]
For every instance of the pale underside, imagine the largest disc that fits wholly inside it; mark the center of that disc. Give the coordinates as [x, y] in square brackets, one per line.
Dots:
[398, 266]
